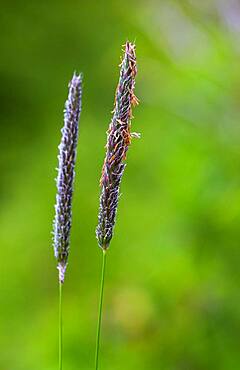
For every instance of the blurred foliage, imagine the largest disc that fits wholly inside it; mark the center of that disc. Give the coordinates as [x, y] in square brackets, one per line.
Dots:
[172, 288]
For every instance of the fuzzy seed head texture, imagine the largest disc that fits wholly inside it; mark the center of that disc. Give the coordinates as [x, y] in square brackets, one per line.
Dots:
[66, 173]
[118, 141]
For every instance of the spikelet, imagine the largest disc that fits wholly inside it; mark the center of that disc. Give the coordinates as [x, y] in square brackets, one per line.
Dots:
[65, 178]
[118, 141]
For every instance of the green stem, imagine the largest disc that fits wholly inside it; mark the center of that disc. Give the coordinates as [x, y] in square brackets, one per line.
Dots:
[100, 309]
[60, 326]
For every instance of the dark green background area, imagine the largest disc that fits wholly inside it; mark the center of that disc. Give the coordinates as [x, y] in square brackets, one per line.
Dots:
[172, 285]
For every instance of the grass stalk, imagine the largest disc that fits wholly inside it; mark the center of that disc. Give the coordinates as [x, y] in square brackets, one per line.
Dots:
[100, 308]
[60, 341]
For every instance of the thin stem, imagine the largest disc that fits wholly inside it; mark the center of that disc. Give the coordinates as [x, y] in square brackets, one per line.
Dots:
[100, 309]
[60, 326]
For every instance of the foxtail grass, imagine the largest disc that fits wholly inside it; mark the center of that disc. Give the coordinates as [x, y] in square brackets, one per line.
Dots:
[118, 141]
[65, 179]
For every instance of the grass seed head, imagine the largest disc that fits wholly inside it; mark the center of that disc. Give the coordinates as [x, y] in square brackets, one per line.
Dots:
[65, 177]
[118, 141]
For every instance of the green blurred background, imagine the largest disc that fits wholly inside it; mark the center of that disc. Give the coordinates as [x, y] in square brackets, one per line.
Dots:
[172, 288]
